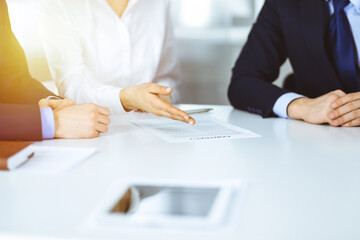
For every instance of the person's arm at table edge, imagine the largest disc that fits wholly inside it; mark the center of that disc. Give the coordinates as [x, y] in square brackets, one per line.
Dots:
[281, 105]
[16, 85]
[251, 87]
[20, 122]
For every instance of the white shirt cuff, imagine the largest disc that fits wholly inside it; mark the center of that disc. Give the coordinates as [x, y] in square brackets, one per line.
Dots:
[112, 96]
[281, 105]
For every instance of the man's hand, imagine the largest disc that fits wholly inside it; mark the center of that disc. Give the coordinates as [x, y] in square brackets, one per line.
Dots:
[346, 111]
[150, 97]
[56, 104]
[315, 111]
[81, 121]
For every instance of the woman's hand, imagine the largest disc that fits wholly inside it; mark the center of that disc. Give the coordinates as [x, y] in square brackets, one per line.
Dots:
[149, 97]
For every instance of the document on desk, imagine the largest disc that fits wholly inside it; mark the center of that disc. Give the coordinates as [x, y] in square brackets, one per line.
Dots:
[206, 128]
[54, 160]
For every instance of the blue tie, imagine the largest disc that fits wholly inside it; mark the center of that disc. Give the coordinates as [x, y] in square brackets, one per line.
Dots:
[343, 46]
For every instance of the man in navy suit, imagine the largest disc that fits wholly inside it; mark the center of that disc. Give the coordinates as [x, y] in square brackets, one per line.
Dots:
[23, 116]
[321, 38]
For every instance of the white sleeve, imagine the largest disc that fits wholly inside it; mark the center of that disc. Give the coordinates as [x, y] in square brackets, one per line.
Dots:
[168, 70]
[65, 57]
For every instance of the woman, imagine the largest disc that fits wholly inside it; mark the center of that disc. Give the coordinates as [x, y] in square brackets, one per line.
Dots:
[115, 53]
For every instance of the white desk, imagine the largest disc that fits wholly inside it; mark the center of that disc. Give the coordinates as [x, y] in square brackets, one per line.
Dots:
[304, 181]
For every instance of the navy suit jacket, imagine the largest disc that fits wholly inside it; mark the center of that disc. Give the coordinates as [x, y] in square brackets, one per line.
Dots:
[285, 29]
[19, 92]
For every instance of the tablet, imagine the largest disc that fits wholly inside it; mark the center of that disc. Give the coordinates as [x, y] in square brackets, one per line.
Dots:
[167, 204]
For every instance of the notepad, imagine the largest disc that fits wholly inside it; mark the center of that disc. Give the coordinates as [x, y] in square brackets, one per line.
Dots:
[54, 160]
[206, 128]
[13, 154]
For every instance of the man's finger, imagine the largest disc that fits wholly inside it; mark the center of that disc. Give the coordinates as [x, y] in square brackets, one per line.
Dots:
[347, 108]
[43, 103]
[354, 123]
[345, 99]
[103, 110]
[349, 117]
[55, 103]
[103, 119]
[67, 101]
[102, 128]
[48, 103]
[95, 134]
[339, 93]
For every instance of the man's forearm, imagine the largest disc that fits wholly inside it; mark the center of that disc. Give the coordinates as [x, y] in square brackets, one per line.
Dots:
[20, 122]
[21, 90]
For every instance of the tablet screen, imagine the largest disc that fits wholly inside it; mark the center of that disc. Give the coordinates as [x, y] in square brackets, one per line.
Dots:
[166, 200]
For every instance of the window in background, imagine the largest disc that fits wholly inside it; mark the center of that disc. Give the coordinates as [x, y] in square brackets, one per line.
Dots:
[23, 17]
[210, 35]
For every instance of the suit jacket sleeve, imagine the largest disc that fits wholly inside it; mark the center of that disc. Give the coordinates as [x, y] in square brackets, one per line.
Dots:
[20, 122]
[19, 93]
[16, 84]
[258, 65]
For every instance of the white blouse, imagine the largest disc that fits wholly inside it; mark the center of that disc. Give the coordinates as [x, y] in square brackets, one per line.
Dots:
[93, 54]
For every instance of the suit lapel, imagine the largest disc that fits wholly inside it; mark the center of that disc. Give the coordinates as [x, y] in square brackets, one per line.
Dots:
[314, 27]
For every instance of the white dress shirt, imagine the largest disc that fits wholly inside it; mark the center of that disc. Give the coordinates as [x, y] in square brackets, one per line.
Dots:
[93, 54]
[353, 14]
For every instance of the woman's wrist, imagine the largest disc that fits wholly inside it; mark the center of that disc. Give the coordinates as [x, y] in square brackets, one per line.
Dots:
[123, 99]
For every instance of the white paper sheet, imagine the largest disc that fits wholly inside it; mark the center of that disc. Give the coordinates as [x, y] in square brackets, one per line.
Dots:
[206, 128]
[54, 160]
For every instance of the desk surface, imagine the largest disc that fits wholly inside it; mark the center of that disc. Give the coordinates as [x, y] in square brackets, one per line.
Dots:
[304, 181]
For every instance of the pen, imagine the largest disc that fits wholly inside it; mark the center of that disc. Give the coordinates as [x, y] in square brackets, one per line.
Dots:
[28, 158]
[196, 111]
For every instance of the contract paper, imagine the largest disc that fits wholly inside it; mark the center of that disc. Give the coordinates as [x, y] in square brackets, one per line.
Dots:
[206, 128]
[54, 160]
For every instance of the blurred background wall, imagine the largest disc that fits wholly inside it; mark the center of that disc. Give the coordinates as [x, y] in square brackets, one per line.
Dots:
[210, 35]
